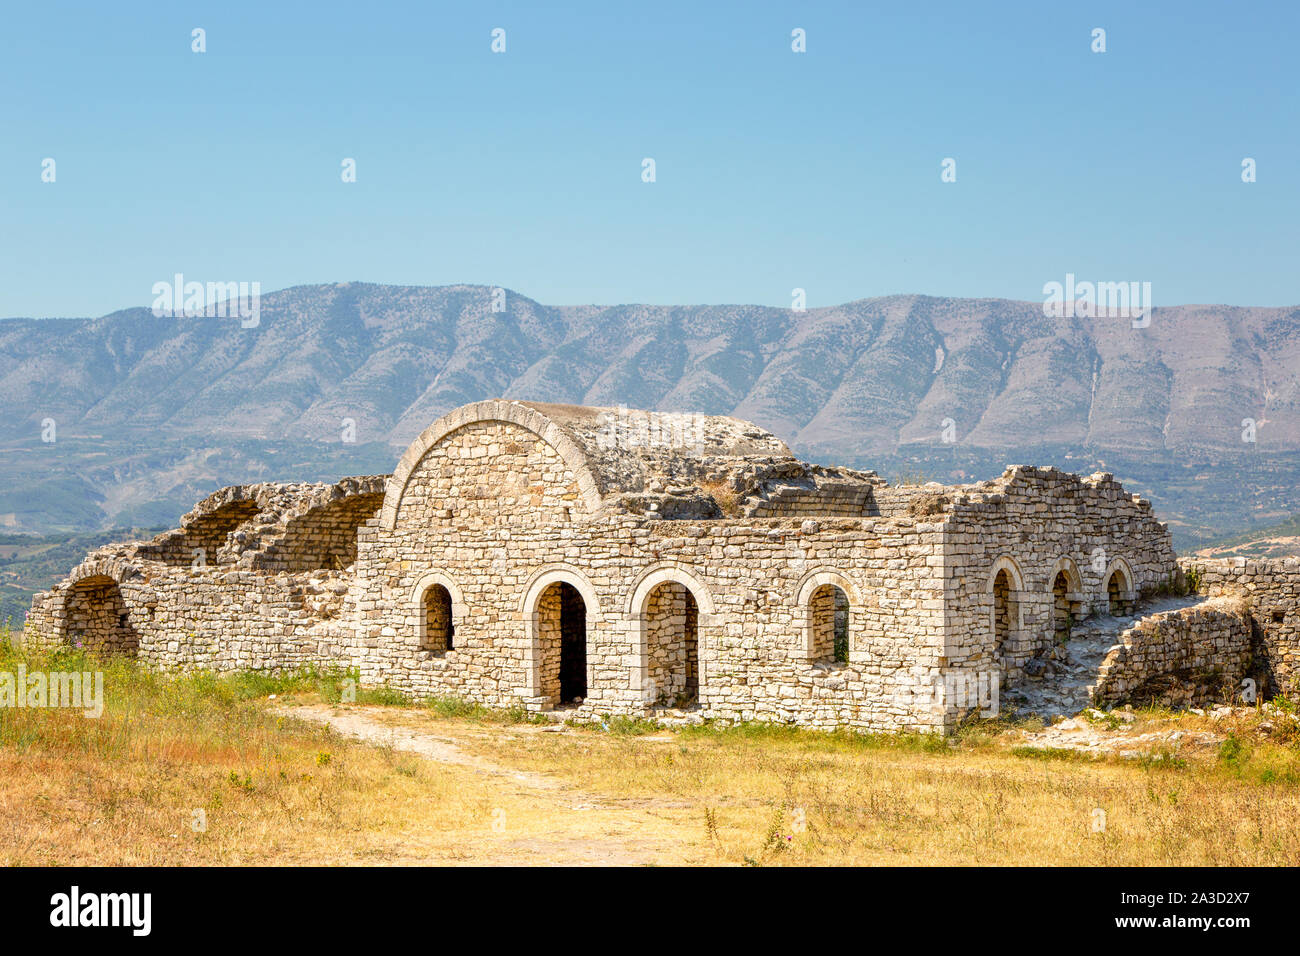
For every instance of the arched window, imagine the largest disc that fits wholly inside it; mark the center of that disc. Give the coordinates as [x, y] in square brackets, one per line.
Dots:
[828, 611]
[439, 630]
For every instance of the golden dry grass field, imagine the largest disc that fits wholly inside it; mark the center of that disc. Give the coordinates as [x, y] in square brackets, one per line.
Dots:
[248, 769]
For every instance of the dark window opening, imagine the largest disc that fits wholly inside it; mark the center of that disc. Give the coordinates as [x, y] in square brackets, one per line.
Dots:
[573, 645]
[1061, 619]
[439, 628]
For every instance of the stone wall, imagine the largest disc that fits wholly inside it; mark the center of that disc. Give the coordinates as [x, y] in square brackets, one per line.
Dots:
[1035, 525]
[199, 618]
[512, 561]
[749, 580]
[1271, 590]
[1184, 658]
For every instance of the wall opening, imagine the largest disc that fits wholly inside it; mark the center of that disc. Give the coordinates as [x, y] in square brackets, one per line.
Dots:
[828, 608]
[323, 538]
[1062, 619]
[438, 630]
[97, 617]
[1117, 591]
[672, 622]
[1006, 613]
[200, 542]
[562, 633]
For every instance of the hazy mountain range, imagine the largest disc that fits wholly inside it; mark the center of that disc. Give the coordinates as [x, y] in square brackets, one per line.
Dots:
[151, 413]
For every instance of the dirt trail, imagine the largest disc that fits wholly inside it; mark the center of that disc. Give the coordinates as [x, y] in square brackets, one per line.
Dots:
[582, 829]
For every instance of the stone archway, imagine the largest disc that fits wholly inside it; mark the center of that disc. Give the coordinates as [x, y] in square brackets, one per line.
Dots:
[1003, 612]
[1062, 620]
[96, 617]
[825, 599]
[1004, 589]
[671, 619]
[1068, 603]
[670, 609]
[561, 611]
[562, 636]
[1120, 599]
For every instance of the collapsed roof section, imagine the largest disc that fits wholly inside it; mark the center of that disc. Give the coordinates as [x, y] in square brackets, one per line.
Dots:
[273, 526]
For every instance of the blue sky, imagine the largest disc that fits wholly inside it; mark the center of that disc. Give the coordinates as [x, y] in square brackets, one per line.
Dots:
[775, 170]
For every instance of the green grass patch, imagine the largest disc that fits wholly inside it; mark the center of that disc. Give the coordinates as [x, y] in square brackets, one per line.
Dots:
[842, 739]
[1050, 753]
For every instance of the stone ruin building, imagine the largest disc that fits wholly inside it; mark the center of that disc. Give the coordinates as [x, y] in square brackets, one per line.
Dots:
[590, 561]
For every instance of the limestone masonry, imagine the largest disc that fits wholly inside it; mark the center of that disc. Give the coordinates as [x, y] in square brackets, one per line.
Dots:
[605, 561]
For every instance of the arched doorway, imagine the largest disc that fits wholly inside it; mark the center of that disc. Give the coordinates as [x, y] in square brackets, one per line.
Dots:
[97, 617]
[1118, 593]
[671, 621]
[1005, 612]
[562, 635]
[828, 609]
[1062, 619]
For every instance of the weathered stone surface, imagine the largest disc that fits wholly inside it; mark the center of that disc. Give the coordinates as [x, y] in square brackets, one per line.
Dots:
[1270, 590]
[614, 561]
[1189, 657]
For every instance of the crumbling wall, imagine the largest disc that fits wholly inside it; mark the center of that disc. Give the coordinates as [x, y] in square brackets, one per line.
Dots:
[202, 535]
[1036, 523]
[296, 526]
[320, 537]
[212, 619]
[1271, 591]
[497, 506]
[1184, 658]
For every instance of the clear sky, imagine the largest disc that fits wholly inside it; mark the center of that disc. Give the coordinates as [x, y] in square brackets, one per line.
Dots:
[774, 169]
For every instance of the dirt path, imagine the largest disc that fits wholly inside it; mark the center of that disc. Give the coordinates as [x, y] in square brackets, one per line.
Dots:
[582, 829]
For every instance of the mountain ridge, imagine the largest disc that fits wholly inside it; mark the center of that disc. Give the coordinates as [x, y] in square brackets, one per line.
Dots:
[955, 383]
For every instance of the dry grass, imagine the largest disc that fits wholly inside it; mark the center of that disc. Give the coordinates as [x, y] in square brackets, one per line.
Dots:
[123, 789]
[773, 795]
[725, 495]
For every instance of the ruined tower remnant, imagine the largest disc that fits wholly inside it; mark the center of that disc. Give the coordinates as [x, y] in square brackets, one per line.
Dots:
[613, 561]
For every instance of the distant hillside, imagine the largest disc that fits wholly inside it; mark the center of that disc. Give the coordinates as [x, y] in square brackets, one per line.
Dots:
[1281, 540]
[152, 413]
[31, 563]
